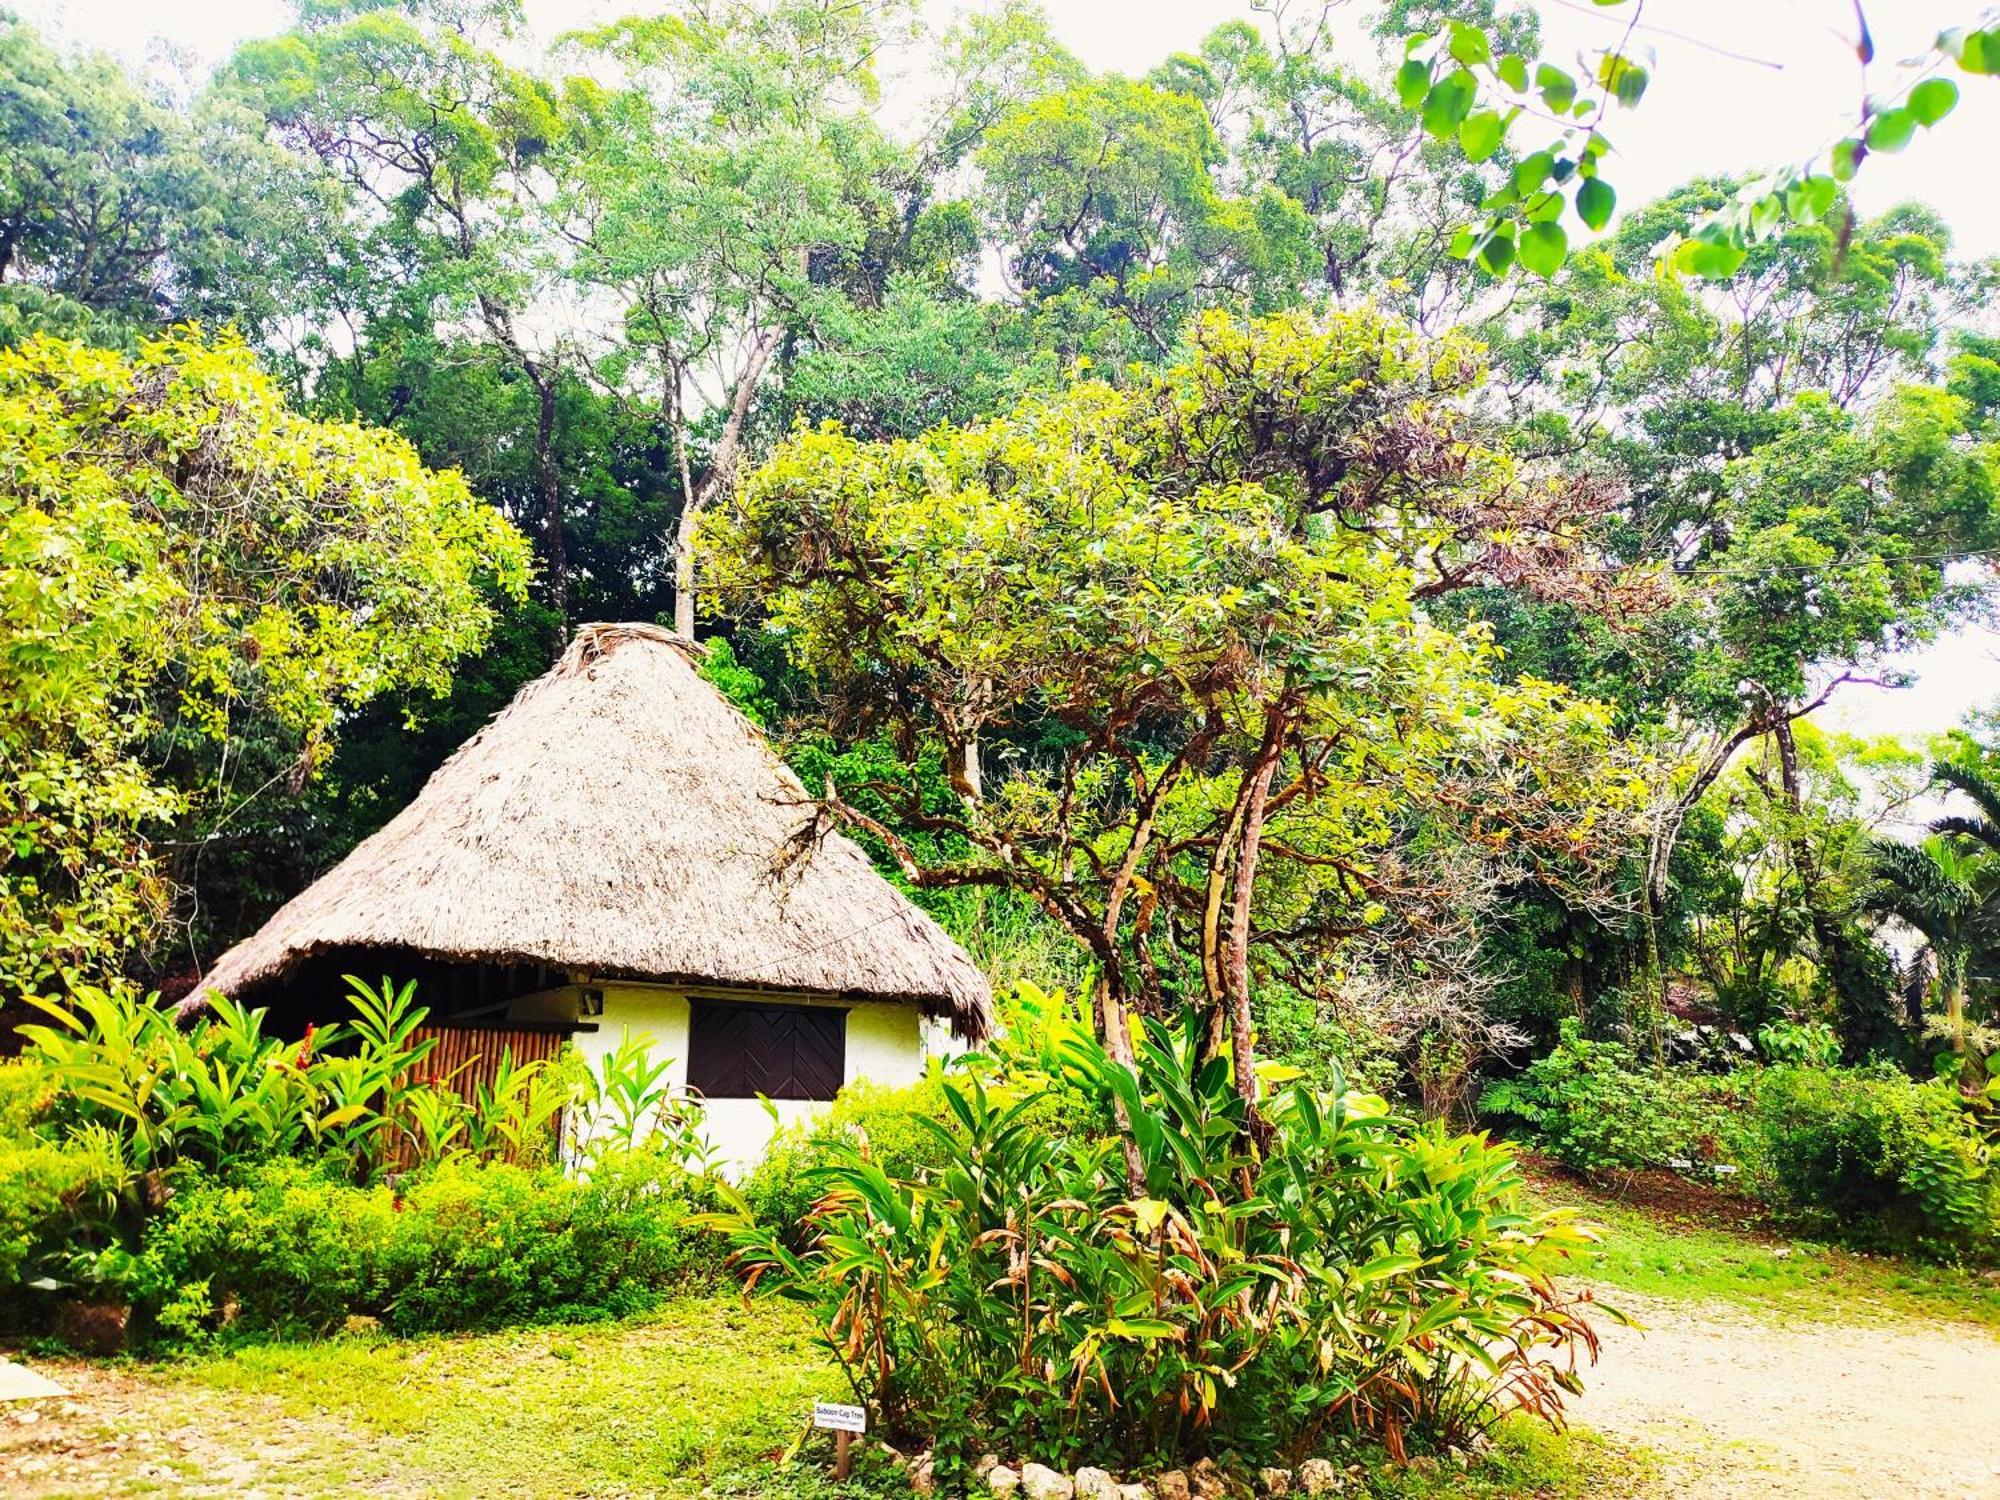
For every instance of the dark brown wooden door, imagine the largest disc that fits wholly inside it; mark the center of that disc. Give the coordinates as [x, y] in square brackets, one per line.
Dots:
[738, 1050]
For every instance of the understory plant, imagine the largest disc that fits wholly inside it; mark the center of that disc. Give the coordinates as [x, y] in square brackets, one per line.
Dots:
[223, 1091]
[1329, 1268]
[1869, 1156]
[215, 1172]
[290, 1247]
[1594, 1105]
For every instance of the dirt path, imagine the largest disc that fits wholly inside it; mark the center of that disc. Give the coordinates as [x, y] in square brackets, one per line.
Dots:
[1738, 1405]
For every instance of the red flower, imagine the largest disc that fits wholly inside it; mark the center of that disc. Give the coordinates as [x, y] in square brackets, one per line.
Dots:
[306, 1046]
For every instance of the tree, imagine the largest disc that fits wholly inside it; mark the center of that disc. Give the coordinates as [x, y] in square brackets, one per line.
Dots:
[1935, 888]
[188, 565]
[721, 189]
[449, 211]
[1169, 643]
[120, 211]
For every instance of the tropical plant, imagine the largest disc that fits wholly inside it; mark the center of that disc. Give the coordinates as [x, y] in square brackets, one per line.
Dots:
[1180, 668]
[1595, 1106]
[1381, 1277]
[1935, 888]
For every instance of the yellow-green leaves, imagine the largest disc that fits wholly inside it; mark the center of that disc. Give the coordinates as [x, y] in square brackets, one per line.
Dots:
[180, 552]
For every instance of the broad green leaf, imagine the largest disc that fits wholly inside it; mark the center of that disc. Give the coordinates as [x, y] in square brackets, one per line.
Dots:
[1496, 251]
[1977, 50]
[1715, 259]
[1558, 88]
[1595, 202]
[1543, 247]
[1891, 130]
[1413, 81]
[1932, 100]
[1847, 159]
[1624, 78]
[1532, 171]
[1448, 103]
[1480, 134]
[1468, 44]
[1512, 70]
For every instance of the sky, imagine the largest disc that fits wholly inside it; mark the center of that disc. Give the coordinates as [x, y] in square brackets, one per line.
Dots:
[1717, 104]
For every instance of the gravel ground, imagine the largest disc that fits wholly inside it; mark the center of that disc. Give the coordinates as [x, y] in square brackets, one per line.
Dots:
[1736, 1406]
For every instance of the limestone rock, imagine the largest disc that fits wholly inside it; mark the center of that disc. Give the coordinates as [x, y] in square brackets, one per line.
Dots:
[1276, 1483]
[923, 1479]
[1207, 1481]
[985, 1464]
[1041, 1483]
[1171, 1485]
[1318, 1477]
[1002, 1481]
[1134, 1492]
[1095, 1484]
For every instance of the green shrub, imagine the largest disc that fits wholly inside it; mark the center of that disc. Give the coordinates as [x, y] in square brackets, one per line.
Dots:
[1594, 1105]
[57, 1197]
[283, 1247]
[1016, 1293]
[784, 1184]
[289, 1248]
[1872, 1158]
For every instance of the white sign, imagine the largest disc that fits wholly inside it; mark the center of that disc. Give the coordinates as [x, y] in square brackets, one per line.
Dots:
[837, 1418]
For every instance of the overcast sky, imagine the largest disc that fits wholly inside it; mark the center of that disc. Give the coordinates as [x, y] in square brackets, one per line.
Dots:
[1716, 104]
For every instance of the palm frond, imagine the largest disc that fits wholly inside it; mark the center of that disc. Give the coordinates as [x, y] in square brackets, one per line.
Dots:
[1983, 794]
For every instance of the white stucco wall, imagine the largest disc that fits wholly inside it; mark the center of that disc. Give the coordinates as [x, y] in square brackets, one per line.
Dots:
[886, 1044]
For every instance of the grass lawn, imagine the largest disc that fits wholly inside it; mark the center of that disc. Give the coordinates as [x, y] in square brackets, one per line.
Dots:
[703, 1397]
[1714, 1247]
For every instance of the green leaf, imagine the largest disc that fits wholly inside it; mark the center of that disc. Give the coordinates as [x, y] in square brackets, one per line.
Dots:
[1932, 100]
[1543, 247]
[1480, 134]
[1976, 51]
[1469, 45]
[1512, 70]
[1715, 259]
[1384, 1266]
[1811, 200]
[1624, 78]
[1461, 247]
[1413, 81]
[1532, 171]
[1595, 201]
[1448, 103]
[1847, 159]
[1558, 88]
[1496, 251]
[1891, 130]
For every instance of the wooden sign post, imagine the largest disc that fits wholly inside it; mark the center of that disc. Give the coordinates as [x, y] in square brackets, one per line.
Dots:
[843, 1421]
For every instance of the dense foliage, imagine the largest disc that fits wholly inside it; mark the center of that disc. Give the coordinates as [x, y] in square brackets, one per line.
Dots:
[189, 566]
[1014, 1293]
[214, 1176]
[1861, 1155]
[1107, 506]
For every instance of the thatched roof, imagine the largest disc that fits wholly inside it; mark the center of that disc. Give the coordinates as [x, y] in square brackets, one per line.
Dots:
[621, 817]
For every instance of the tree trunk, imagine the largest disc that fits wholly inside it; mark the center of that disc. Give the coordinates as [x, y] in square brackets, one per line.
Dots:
[1236, 957]
[721, 464]
[1115, 1032]
[550, 484]
[684, 572]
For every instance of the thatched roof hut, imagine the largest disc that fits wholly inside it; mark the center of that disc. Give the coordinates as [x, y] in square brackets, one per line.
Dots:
[619, 820]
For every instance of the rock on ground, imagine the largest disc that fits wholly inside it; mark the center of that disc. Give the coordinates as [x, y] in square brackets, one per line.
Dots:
[1040, 1483]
